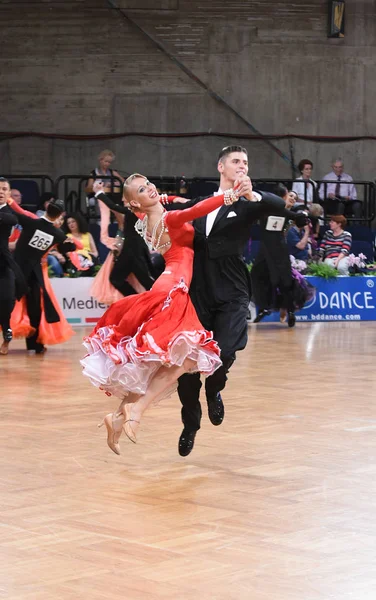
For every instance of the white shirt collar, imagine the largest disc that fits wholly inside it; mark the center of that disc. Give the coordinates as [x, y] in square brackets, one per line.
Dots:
[210, 218]
[2, 205]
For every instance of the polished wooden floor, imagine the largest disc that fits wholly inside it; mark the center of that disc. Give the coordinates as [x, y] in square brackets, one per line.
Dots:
[279, 503]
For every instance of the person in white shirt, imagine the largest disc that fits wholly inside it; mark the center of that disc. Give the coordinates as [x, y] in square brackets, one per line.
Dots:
[340, 195]
[304, 186]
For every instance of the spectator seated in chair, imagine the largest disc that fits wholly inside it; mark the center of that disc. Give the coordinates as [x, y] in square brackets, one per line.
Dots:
[298, 242]
[309, 195]
[16, 195]
[112, 188]
[340, 197]
[336, 245]
[87, 257]
[316, 214]
[45, 199]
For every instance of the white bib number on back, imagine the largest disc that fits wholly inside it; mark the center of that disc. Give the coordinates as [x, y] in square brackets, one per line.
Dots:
[275, 223]
[41, 240]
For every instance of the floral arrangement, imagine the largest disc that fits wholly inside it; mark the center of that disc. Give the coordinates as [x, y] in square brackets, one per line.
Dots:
[298, 265]
[359, 261]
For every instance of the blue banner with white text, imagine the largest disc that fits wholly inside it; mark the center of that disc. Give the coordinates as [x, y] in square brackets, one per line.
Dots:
[340, 299]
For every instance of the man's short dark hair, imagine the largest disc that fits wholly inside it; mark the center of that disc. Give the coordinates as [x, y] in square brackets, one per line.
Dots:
[229, 149]
[4, 180]
[280, 190]
[55, 208]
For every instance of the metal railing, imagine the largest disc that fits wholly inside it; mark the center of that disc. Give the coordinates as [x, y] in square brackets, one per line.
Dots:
[367, 197]
[38, 184]
[73, 189]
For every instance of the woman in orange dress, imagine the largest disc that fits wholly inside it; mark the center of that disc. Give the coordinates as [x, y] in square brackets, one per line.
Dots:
[144, 343]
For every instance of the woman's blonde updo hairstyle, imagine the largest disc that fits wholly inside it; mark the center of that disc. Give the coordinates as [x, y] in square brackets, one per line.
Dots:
[127, 194]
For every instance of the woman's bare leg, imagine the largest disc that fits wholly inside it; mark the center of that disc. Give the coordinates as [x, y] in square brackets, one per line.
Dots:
[161, 382]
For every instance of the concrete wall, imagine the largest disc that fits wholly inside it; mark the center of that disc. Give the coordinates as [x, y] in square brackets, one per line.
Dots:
[80, 68]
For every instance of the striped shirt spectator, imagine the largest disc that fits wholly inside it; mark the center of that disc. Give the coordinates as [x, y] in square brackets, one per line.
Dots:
[336, 245]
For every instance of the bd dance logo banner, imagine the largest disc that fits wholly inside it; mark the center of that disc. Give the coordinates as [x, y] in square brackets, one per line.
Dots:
[340, 299]
[343, 299]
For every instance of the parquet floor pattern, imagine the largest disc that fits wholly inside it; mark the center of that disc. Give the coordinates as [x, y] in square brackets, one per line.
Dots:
[278, 503]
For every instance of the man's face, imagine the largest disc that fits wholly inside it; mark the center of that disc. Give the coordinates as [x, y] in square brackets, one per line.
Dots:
[16, 195]
[233, 166]
[4, 192]
[338, 168]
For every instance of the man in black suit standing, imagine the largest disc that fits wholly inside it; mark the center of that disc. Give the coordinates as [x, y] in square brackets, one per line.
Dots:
[8, 268]
[220, 289]
[36, 239]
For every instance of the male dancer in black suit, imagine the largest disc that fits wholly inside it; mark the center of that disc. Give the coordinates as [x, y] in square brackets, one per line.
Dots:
[272, 267]
[8, 268]
[220, 289]
[37, 237]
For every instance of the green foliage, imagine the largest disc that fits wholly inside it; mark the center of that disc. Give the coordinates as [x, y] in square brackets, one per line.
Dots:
[50, 272]
[72, 273]
[322, 270]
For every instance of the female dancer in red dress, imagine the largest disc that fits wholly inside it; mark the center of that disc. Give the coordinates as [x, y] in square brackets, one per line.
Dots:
[143, 343]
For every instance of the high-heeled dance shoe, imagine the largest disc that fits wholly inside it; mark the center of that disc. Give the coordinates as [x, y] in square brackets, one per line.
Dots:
[114, 431]
[128, 430]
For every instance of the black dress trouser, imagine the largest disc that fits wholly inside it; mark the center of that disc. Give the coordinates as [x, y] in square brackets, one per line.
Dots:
[228, 321]
[265, 284]
[34, 311]
[7, 297]
[125, 264]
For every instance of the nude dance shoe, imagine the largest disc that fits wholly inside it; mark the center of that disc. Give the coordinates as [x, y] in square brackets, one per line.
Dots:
[114, 427]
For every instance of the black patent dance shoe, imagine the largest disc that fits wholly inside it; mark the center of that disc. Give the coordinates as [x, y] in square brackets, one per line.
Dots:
[186, 442]
[262, 314]
[216, 410]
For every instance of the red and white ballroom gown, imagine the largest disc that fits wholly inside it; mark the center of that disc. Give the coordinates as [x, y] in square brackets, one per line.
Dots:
[139, 333]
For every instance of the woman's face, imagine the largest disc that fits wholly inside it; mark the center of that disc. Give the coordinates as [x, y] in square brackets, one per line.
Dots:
[334, 226]
[105, 162]
[290, 199]
[72, 225]
[307, 171]
[143, 194]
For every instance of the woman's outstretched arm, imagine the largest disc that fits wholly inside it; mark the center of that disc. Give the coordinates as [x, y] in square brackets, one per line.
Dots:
[176, 218]
[21, 211]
